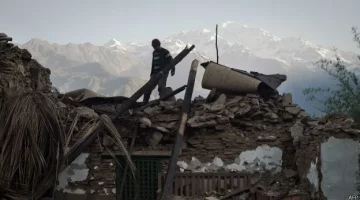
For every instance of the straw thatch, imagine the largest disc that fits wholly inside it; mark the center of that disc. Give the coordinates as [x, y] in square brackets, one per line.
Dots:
[31, 141]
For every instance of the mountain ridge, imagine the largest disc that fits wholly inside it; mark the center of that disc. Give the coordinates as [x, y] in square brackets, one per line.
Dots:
[97, 67]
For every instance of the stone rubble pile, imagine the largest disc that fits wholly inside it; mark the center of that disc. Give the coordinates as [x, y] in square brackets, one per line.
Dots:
[244, 119]
[219, 132]
[19, 71]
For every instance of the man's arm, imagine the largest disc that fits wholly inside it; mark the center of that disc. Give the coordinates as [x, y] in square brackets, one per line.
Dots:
[152, 65]
[169, 58]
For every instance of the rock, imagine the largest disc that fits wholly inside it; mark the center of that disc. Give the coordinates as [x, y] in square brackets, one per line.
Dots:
[182, 164]
[287, 116]
[195, 163]
[255, 102]
[166, 118]
[211, 198]
[244, 109]
[166, 105]
[234, 109]
[223, 120]
[207, 117]
[352, 131]
[145, 121]
[348, 121]
[242, 123]
[217, 107]
[193, 120]
[86, 113]
[161, 129]
[155, 139]
[171, 125]
[150, 111]
[234, 101]
[303, 114]
[217, 162]
[271, 115]
[297, 131]
[286, 99]
[221, 100]
[313, 124]
[294, 110]
[270, 138]
[210, 123]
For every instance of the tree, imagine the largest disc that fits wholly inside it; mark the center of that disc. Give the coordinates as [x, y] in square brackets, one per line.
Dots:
[345, 97]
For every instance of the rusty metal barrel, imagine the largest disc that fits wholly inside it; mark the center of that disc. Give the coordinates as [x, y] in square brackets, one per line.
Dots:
[226, 79]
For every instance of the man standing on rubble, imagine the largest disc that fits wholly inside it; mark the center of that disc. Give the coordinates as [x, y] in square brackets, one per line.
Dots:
[161, 58]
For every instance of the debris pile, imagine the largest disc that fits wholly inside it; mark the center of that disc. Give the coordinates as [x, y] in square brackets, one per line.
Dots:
[226, 126]
[236, 133]
[19, 71]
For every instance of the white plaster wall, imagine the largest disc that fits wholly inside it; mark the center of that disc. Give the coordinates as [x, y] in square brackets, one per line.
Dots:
[313, 177]
[263, 158]
[339, 165]
[76, 171]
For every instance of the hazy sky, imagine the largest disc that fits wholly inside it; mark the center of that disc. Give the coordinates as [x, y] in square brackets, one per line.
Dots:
[324, 22]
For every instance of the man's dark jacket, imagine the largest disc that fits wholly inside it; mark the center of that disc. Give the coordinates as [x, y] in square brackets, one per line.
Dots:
[161, 58]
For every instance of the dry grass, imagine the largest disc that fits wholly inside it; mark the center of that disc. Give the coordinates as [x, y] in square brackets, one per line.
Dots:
[103, 123]
[111, 129]
[31, 141]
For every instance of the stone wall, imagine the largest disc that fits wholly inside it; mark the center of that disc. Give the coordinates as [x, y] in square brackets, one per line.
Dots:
[19, 71]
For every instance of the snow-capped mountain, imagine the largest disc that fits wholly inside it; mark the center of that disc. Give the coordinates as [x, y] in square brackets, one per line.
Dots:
[121, 67]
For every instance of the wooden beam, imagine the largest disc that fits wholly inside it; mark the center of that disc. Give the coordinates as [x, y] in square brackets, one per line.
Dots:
[154, 102]
[151, 84]
[216, 45]
[179, 138]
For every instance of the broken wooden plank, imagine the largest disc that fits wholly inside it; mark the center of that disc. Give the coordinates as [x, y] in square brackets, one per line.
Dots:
[151, 84]
[154, 102]
[165, 192]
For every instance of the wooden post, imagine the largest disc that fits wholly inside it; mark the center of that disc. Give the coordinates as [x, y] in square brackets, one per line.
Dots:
[151, 84]
[179, 138]
[216, 45]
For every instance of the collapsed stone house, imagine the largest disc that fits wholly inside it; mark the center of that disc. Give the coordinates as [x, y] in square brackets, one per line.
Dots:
[277, 143]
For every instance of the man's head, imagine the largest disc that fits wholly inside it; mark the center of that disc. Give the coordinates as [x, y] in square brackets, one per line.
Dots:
[156, 44]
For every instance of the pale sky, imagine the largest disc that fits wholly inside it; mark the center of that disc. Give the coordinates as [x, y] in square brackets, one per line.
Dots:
[323, 22]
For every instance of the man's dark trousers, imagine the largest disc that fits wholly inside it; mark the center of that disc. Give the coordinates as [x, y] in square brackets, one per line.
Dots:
[161, 85]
